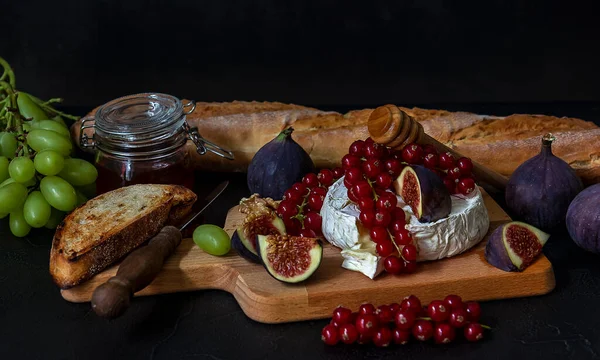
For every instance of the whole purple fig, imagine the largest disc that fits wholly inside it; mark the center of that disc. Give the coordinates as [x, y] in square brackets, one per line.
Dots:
[583, 219]
[277, 165]
[540, 190]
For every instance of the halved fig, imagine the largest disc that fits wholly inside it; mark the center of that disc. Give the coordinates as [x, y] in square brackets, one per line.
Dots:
[288, 258]
[514, 246]
[260, 219]
[425, 193]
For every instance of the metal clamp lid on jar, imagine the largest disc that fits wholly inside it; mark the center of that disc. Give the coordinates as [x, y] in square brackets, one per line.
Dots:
[160, 116]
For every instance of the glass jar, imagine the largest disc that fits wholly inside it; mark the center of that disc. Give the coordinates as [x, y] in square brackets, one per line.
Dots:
[141, 138]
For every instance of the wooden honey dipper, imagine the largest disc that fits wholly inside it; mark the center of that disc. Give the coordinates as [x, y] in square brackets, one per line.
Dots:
[390, 126]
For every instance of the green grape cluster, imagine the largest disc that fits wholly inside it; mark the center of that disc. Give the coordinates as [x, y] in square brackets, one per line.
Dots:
[40, 179]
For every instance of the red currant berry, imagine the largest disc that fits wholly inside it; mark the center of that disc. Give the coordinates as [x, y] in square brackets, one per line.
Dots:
[412, 303]
[315, 201]
[398, 214]
[374, 150]
[364, 339]
[293, 196]
[413, 154]
[366, 309]
[307, 233]
[371, 168]
[367, 324]
[429, 149]
[402, 237]
[341, 315]
[409, 252]
[385, 248]
[348, 333]
[396, 226]
[397, 154]
[393, 265]
[438, 311]
[382, 218]
[383, 181]
[444, 334]
[473, 332]
[366, 203]
[387, 201]
[382, 337]
[430, 161]
[300, 188]
[329, 335]
[338, 172]
[446, 161]
[465, 165]
[405, 319]
[292, 226]
[450, 184]
[367, 217]
[473, 311]
[310, 180]
[453, 302]
[369, 140]
[394, 307]
[401, 337]
[286, 209]
[410, 266]
[353, 175]
[385, 314]
[393, 167]
[458, 318]
[362, 189]
[422, 330]
[379, 234]
[466, 186]
[325, 177]
[313, 221]
[349, 161]
[357, 148]
[351, 195]
[454, 173]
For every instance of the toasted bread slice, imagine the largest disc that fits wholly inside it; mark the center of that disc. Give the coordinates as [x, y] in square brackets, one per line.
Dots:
[109, 226]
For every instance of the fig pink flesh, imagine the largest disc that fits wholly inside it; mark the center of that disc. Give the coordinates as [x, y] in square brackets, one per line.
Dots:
[523, 243]
[411, 193]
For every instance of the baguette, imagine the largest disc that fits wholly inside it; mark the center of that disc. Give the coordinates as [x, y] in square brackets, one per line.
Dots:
[109, 226]
[500, 143]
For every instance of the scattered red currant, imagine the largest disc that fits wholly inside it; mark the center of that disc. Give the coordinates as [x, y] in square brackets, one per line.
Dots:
[465, 165]
[444, 334]
[348, 333]
[329, 335]
[413, 154]
[453, 302]
[405, 319]
[466, 186]
[366, 309]
[473, 332]
[325, 177]
[422, 330]
[382, 337]
[367, 324]
[409, 252]
[357, 148]
[458, 318]
[446, 161]
[473, 311]
[393, 265]
[438, 311]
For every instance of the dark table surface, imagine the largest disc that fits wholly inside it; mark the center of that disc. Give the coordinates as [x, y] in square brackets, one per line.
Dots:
[36, 323]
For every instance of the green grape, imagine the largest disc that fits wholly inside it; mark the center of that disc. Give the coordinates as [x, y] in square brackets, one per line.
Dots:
[12, 196]
[36, 210]
[81, 199]
[52, 126]
[8, 144]
[11, 180]
[21, 169]
[4, 168]
[59, 193]
[60, 120]
[78, 172]
[56, 216]
[28, 108]
[212, 239]
[17, 223]
[42, 139]
[88, 190]
[48, 162]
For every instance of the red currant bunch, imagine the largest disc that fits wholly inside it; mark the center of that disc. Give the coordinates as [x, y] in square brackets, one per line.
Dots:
[301, 204]
[398, 323]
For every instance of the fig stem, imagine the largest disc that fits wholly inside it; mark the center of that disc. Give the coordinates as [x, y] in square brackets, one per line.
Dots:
[285, 133]
[547, 141]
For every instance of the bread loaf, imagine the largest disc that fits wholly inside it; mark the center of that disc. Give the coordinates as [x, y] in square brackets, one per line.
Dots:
[500, 143]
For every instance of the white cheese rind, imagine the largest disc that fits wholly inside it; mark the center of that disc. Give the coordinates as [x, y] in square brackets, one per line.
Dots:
[466, 226]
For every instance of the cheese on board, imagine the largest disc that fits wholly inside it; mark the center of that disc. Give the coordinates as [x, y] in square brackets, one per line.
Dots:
[465, 226]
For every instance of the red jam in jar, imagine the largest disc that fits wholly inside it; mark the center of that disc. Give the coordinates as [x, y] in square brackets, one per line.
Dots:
[141, 139]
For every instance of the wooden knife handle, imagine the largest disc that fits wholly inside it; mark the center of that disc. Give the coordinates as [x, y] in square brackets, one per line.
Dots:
[137, 271]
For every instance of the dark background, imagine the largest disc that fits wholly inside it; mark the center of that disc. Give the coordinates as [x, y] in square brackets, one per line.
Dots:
[322, 53]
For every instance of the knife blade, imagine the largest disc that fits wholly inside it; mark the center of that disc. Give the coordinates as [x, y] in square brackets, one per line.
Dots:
[140, 267]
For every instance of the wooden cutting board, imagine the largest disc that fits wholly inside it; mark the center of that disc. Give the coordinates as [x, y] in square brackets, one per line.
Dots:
[267, 300]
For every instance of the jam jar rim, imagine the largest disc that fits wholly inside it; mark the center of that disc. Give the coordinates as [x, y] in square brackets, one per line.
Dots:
[150, 126]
